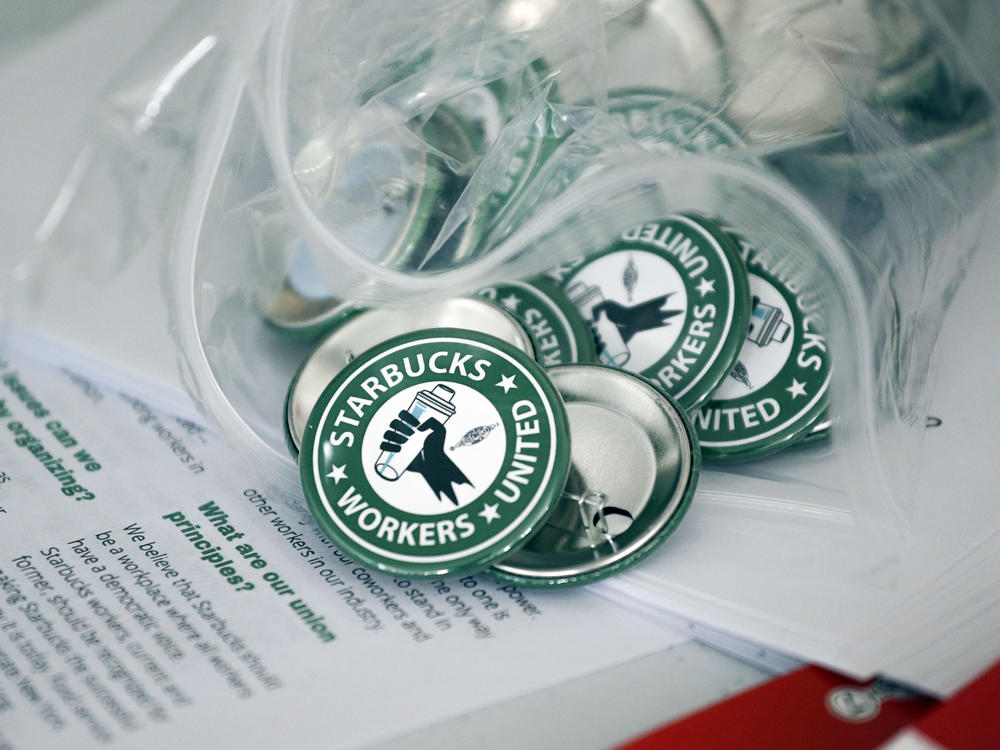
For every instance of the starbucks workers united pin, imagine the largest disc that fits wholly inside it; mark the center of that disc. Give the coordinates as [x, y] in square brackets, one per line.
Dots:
[668, 300]
[435, 453]
[777, 391]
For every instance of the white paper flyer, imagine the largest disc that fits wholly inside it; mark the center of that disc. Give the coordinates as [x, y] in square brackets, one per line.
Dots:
[151, 594]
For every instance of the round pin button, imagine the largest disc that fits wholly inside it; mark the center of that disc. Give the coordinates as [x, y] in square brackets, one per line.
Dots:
[634, 465]
[362, 331]
[668, 300]
[516, 127]
[435, 453]
[304, 306]
[778, 388]
[379, 195]
[553, 322]
[819, 432]
[665, 121]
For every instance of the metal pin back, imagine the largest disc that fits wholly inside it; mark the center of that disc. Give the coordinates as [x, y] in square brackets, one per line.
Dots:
[634, 464]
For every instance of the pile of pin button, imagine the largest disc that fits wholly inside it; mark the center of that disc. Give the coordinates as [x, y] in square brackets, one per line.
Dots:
[430, 442]
[551, 430]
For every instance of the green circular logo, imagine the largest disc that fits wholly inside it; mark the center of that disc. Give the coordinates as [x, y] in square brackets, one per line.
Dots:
[668, 301]
[435, 453]
[777, 390]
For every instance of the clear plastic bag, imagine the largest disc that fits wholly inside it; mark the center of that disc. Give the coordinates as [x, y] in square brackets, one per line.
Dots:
[850, 141]
[796, 81]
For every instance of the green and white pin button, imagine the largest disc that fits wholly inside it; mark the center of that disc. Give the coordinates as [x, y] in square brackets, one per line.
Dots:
[777, 391]
[558, 331]
[435, 453]
[449, 134]
[666, 121]
[668, 300]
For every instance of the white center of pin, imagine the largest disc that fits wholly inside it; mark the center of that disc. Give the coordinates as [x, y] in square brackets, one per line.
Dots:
[442, 455]
[768, 345]
[637, 304]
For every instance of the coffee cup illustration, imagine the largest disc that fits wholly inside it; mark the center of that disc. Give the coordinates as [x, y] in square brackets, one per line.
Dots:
[767, 324]
[433, 404]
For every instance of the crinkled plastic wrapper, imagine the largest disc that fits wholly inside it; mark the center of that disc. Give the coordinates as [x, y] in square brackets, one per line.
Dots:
[407, 151]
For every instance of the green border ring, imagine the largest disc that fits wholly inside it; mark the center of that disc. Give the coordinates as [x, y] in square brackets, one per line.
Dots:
[422, 513]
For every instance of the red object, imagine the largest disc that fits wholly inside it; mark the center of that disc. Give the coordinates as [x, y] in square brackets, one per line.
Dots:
[969, 721]
[810, 708]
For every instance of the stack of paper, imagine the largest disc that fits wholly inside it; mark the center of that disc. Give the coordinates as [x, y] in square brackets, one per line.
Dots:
[151, 589]
[925, 607]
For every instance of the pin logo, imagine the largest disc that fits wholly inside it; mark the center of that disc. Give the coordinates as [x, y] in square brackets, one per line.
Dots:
[665, 301]
[430, 453]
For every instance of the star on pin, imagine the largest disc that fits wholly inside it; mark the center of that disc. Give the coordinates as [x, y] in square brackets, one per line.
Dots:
[489, 512]
[705, 286]
[337, 474]
[511, 301]
[796, 389]
[507, 383]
